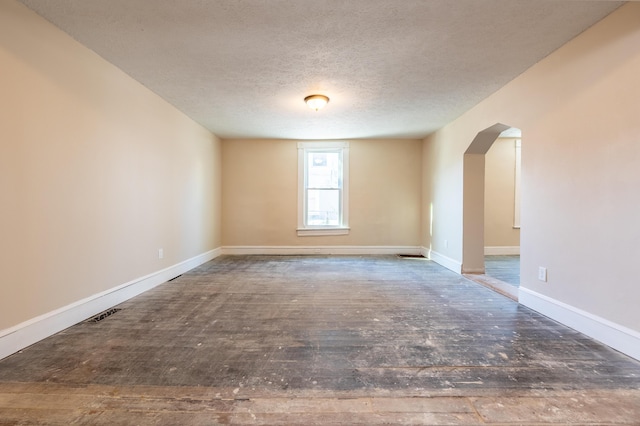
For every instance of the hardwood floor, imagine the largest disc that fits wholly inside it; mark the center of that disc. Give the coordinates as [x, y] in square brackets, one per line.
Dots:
[503, 268]
[319, 340]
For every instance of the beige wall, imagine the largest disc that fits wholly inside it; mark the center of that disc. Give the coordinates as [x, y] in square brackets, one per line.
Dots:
[96, 173]
[499, 196]
[442, 194]
[578, 112]
[260, 193]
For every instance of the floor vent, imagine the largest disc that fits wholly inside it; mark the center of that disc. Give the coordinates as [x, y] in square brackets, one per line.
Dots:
[104, 315]
[411, 256]
[175, 278]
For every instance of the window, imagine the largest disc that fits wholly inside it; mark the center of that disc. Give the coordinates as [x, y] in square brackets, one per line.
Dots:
[516, 209]
[323, 189]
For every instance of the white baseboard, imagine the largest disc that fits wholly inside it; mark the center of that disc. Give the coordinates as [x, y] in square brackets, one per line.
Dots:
[473, 271]
[326, 250]
[31, 331]
[611, 334]
[443, 260]
[501, 250]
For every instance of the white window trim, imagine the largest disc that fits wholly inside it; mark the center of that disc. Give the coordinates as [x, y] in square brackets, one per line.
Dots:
[307, 231]
[517, 174]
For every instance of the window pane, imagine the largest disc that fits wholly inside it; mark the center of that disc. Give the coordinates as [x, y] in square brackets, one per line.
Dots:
[324, 170]
[323, 207]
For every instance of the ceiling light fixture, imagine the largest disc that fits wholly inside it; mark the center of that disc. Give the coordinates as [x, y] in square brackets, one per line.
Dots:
[316, 101]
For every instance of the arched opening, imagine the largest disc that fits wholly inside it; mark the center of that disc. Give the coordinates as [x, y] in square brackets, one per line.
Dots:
[484, 207]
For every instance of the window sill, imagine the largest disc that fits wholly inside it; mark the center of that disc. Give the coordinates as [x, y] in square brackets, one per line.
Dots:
[311, 232]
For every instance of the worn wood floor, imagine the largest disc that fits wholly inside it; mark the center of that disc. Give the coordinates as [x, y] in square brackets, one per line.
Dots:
[503, 268]
[319, 340]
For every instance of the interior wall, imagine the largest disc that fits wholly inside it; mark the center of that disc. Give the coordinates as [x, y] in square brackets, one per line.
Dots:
[443, 189]
[499, 197]
[97, 173]
[260, 194]
[578, 108]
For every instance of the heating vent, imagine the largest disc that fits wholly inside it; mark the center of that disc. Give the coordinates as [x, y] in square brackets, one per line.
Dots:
[175, 278]
[104, 315]
[411, 256]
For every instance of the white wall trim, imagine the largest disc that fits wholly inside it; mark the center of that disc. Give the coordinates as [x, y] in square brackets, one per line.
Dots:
[474, 271]
[443, 260]
[501, 250]
[614, 335]
[35, 329]
[306, 250]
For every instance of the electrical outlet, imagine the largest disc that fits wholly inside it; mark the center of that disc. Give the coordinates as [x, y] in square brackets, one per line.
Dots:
[446, 243]
[542, 273]
[160, 253]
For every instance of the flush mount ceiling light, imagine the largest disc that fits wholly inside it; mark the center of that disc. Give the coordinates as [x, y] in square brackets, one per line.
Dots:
[316, 101]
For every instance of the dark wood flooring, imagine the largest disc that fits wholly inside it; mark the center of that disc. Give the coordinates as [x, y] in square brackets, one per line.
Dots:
[503, 268]
[319, 340]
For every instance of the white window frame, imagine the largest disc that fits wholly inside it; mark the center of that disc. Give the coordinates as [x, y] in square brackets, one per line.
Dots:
[517, 175]
[303, 229]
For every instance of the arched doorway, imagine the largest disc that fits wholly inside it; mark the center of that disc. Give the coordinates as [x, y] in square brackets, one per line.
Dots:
[474, 180]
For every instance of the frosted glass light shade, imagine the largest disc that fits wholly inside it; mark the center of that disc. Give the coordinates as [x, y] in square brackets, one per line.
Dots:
[316, 101]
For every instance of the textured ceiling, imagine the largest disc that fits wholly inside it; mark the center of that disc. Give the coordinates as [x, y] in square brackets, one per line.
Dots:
[392, 68]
